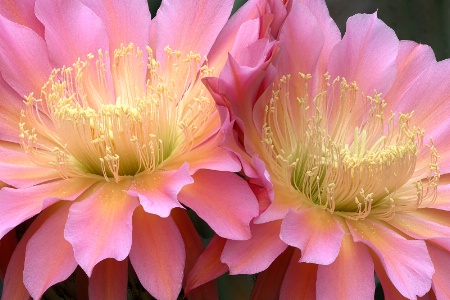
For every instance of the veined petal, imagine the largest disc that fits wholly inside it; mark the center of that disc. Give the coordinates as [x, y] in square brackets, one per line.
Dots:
[411, 277]
[22, 12]
[305, 37]
[389, 290]
[157, 254]
[314, 231]
[190, 25]
[158, 191]
[412, 60]
[109, 280]
[227, 210]
[18, 205]
[208, 266]
[124, 21]
[299, 281]
[24, 62]
[369, 47]
[72, 30]
[354, 269]
[100, 225]
[246, 257]
[44, 265]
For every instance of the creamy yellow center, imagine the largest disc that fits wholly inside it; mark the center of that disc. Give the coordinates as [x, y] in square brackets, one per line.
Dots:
[340, 152]
[121, 120]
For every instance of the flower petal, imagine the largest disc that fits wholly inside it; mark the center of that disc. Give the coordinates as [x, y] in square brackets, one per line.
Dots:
[300, 42]
[72, 30]
[109, 280]
[208, 155]
[354, 268]
[194, 248]
[22, 12]
[100, 225]
[157, 254]
[24, 62]
[158, 191]
[208, 266]
[268, 283]
[125, 21]
[314, 231]
[407, 262]
[227, 210]
[190, 25]
[423, 223]
[246, 257]
[299, 281]
[13, 285]
[369, 46]
[44, 265]
[412, 60]
[18, 205]
[10, 108]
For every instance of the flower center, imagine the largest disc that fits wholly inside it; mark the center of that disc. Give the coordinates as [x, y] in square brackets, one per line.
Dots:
[93, 119]
[340, 152]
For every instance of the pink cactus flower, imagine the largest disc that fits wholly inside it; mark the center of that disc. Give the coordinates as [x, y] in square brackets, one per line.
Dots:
[350, 150]
[107, 133]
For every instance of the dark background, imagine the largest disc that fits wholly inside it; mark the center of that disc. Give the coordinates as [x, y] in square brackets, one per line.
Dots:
[423, 21]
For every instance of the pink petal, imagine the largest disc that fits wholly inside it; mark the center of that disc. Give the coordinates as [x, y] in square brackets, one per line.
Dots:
[329, 29]
[231, 34]
[158, 191]
[300, 42]
[431, 115]
[423, 223]
[406, 262]
[223, 200]
[10, 108]
[299, 281]
[157, 254]
[283, 201]
[314, 231]
[109, 280]
[412, 60]
[268, 283]
[190, 25]
[194, 248]
[22, 12]
[18, 170]
[72, 30]
[100, 225]
[441, 261]
[125, 21]
[24, 62]
[443, 194]
[13, 285]
[354, 269]
[389, 290]
[18, 205]
[369, 47]
[44, 265]
[256, 254]
[208, 266]
[208, 155]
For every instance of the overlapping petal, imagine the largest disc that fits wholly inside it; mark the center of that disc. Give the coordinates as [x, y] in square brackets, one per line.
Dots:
[103, 216]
